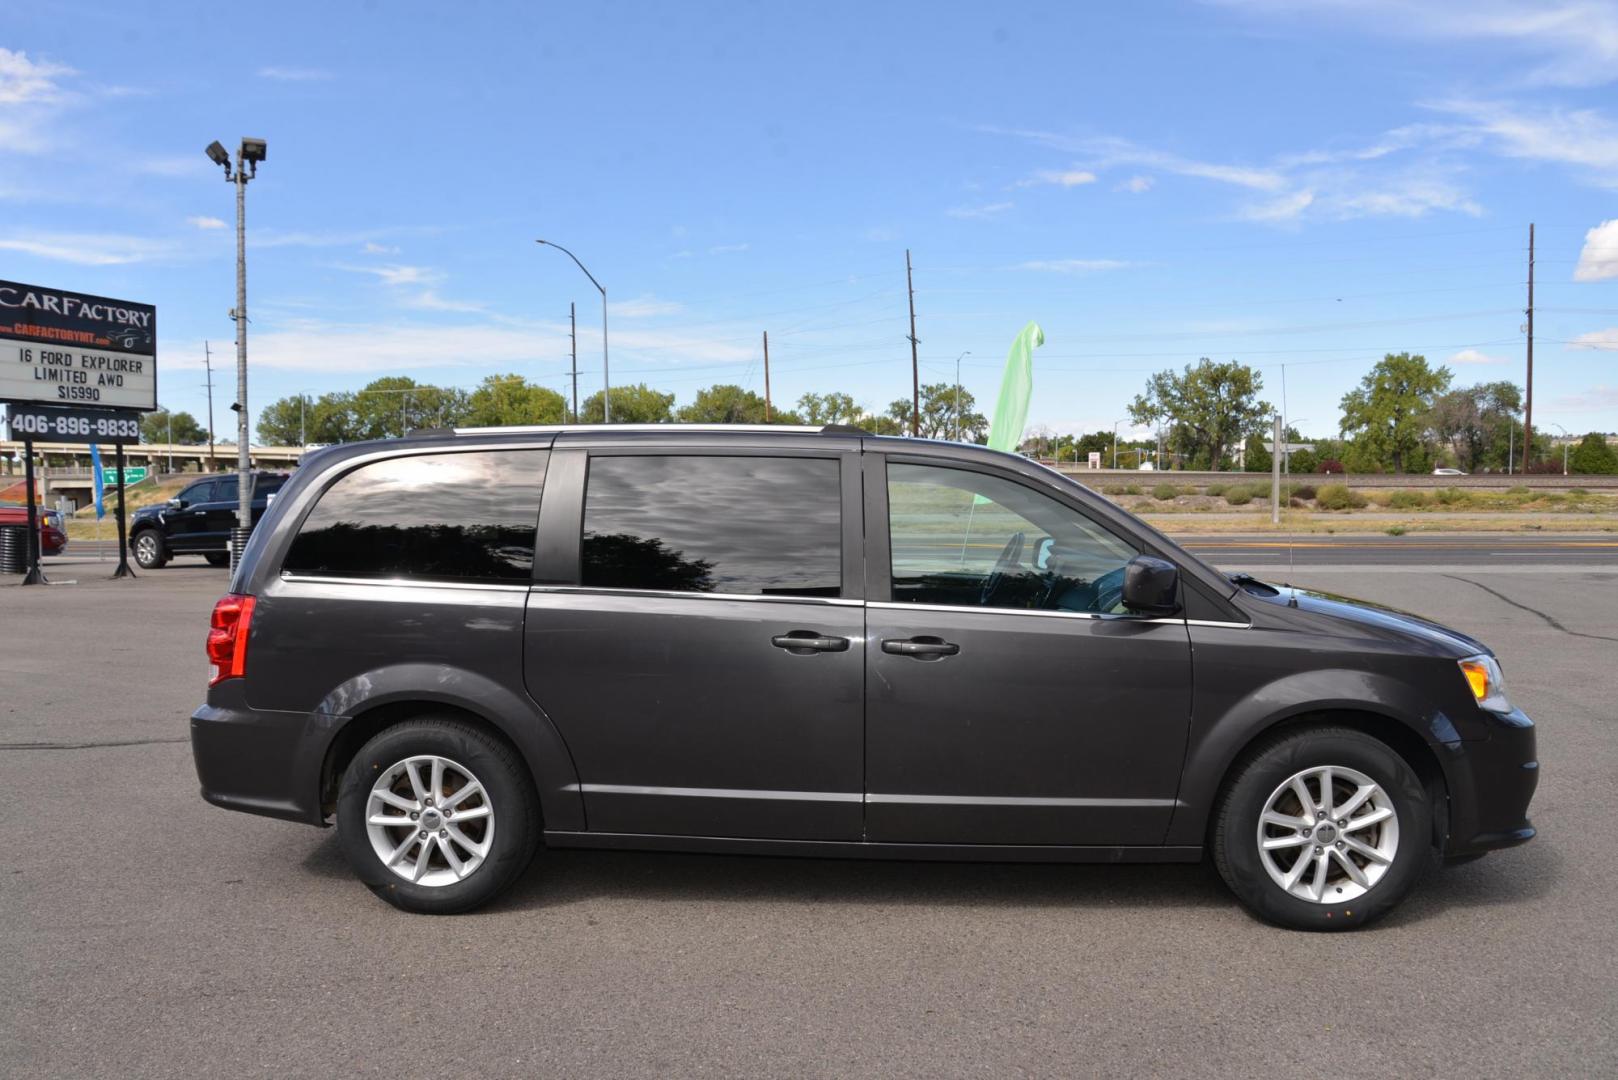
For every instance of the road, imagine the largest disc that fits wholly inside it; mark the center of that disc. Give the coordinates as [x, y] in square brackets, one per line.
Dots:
[147, 934]
[1431, 550]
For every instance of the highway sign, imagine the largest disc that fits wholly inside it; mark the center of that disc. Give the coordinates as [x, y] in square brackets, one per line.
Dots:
[133, 474]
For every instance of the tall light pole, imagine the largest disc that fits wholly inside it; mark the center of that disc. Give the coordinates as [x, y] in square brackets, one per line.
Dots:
[1115, 424]
[1565, 439]
[967, 352]
[606, 370]
[248, 155]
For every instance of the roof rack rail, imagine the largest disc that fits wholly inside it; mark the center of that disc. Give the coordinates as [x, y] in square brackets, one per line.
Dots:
[517, 429]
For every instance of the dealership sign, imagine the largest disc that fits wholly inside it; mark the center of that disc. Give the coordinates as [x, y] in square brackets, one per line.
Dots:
[66, 348]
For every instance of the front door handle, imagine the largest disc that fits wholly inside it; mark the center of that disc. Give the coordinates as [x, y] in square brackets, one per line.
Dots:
[804, 642]
[922, 648]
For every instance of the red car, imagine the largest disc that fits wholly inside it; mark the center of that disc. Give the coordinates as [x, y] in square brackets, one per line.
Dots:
[52, 538]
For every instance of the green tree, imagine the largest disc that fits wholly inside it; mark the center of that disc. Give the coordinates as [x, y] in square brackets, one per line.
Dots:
[1256, 455]
[1473, 423]
[1386, 417]
[727, 403]
[397, 405]
[938, 414]
[1593, 455]
[831, 408]
[1207, 410]
[637, 404]
[156, 426]
[503, 400]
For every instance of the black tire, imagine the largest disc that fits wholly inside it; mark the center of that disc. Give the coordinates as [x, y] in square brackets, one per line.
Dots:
[496, 766]
[217, 558]
[1236, 825]
[151, 551]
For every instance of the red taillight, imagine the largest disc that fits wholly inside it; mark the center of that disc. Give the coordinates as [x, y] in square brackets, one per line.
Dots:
[227, 637]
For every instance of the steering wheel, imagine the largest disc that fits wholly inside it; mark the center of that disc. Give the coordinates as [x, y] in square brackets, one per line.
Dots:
[1010, 556]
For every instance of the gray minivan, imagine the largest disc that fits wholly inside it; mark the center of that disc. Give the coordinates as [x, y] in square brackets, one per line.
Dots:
[464, 644]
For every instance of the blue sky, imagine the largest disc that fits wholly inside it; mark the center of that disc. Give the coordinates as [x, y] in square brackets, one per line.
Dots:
[1306, 185]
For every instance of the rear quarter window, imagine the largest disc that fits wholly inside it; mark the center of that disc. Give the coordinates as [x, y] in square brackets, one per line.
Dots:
[453, 517]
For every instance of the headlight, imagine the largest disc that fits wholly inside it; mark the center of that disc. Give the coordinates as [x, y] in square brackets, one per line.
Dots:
[1487, 684]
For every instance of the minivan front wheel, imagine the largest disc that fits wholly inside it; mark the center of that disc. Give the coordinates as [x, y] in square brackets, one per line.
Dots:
[436, 816]
[1323, 829]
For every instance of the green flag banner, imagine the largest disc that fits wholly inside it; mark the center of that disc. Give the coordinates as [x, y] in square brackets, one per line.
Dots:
[1016, 387]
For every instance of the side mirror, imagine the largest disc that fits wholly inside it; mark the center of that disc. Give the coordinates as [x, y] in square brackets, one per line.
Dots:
[1151, 586]
[176, 504]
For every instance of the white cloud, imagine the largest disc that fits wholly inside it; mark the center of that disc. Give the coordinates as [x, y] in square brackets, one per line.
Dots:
[1582, 138]
[1595, 399]
[1473, 356]
[1070, 266]
[206, 222]
[1136, 185]
[985, 211]
[1107, 151]
[643, 307]
[370, 247]
[29, 82]
[1605, 340]
[1599, 259]
[1576, 39]
[429, 300]
[88, 249]
[290, 74]
[1285, 208]
[728, 249]
[1060, 177]
[399, 275]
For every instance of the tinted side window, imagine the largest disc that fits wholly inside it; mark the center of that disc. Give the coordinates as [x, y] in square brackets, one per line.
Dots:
[224, 489]
[964, 538]
[197, 493]
[430, 517]
[750, 525]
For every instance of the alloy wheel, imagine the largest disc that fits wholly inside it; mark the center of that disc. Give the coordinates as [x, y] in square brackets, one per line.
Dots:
[430, 820]
[1328, 834]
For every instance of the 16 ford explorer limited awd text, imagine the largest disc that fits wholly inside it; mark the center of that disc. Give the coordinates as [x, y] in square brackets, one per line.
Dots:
[461, 645]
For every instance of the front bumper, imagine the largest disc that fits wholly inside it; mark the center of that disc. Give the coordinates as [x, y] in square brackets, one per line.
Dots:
[1491, 783]
[260, 762]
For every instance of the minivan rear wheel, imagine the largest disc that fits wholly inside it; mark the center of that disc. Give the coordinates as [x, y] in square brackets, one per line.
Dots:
[437, 816]
[1323, 829]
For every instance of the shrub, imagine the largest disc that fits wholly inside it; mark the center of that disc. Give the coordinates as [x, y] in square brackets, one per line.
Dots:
[1297, 503]
[1396, 530]
[1339, 497]
[1406, 499]
[1517, 489]
[1238, 496]
[1331, 465]
[1114, 489]
[1215, 489]
[1131, 489]
[1578, 491]
[1450, 496]
[1165, 492]
[1303, 491]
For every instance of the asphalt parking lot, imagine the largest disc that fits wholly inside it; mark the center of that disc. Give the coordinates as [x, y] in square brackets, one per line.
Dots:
[148, 934]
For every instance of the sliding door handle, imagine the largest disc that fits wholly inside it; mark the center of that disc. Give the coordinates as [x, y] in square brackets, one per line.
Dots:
[922, 648]
[804, 642]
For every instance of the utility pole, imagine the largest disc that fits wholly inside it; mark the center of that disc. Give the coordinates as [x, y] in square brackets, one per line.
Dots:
[767, 377]
[207, 362]
[915, 363]
[1528, 413]
[573, 342]
[1275, 474]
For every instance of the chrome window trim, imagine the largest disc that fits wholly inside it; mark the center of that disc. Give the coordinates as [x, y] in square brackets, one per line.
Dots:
[889, 605]
[604, 590]
[719, 793]
[1011, 800]
[403, 583]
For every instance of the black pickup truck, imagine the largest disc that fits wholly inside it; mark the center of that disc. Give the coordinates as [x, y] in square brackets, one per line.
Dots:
[198, 520]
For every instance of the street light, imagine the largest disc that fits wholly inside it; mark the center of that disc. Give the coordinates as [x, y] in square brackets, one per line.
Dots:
[1565, 440]
[606, 371]
[250, 153]
[1115, 424]
[968, 352]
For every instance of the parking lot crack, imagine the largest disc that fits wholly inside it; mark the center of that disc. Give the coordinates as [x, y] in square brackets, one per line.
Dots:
[1497, 594]
[94, 744]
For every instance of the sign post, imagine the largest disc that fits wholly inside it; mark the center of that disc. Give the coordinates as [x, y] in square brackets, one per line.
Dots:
[75, 368]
